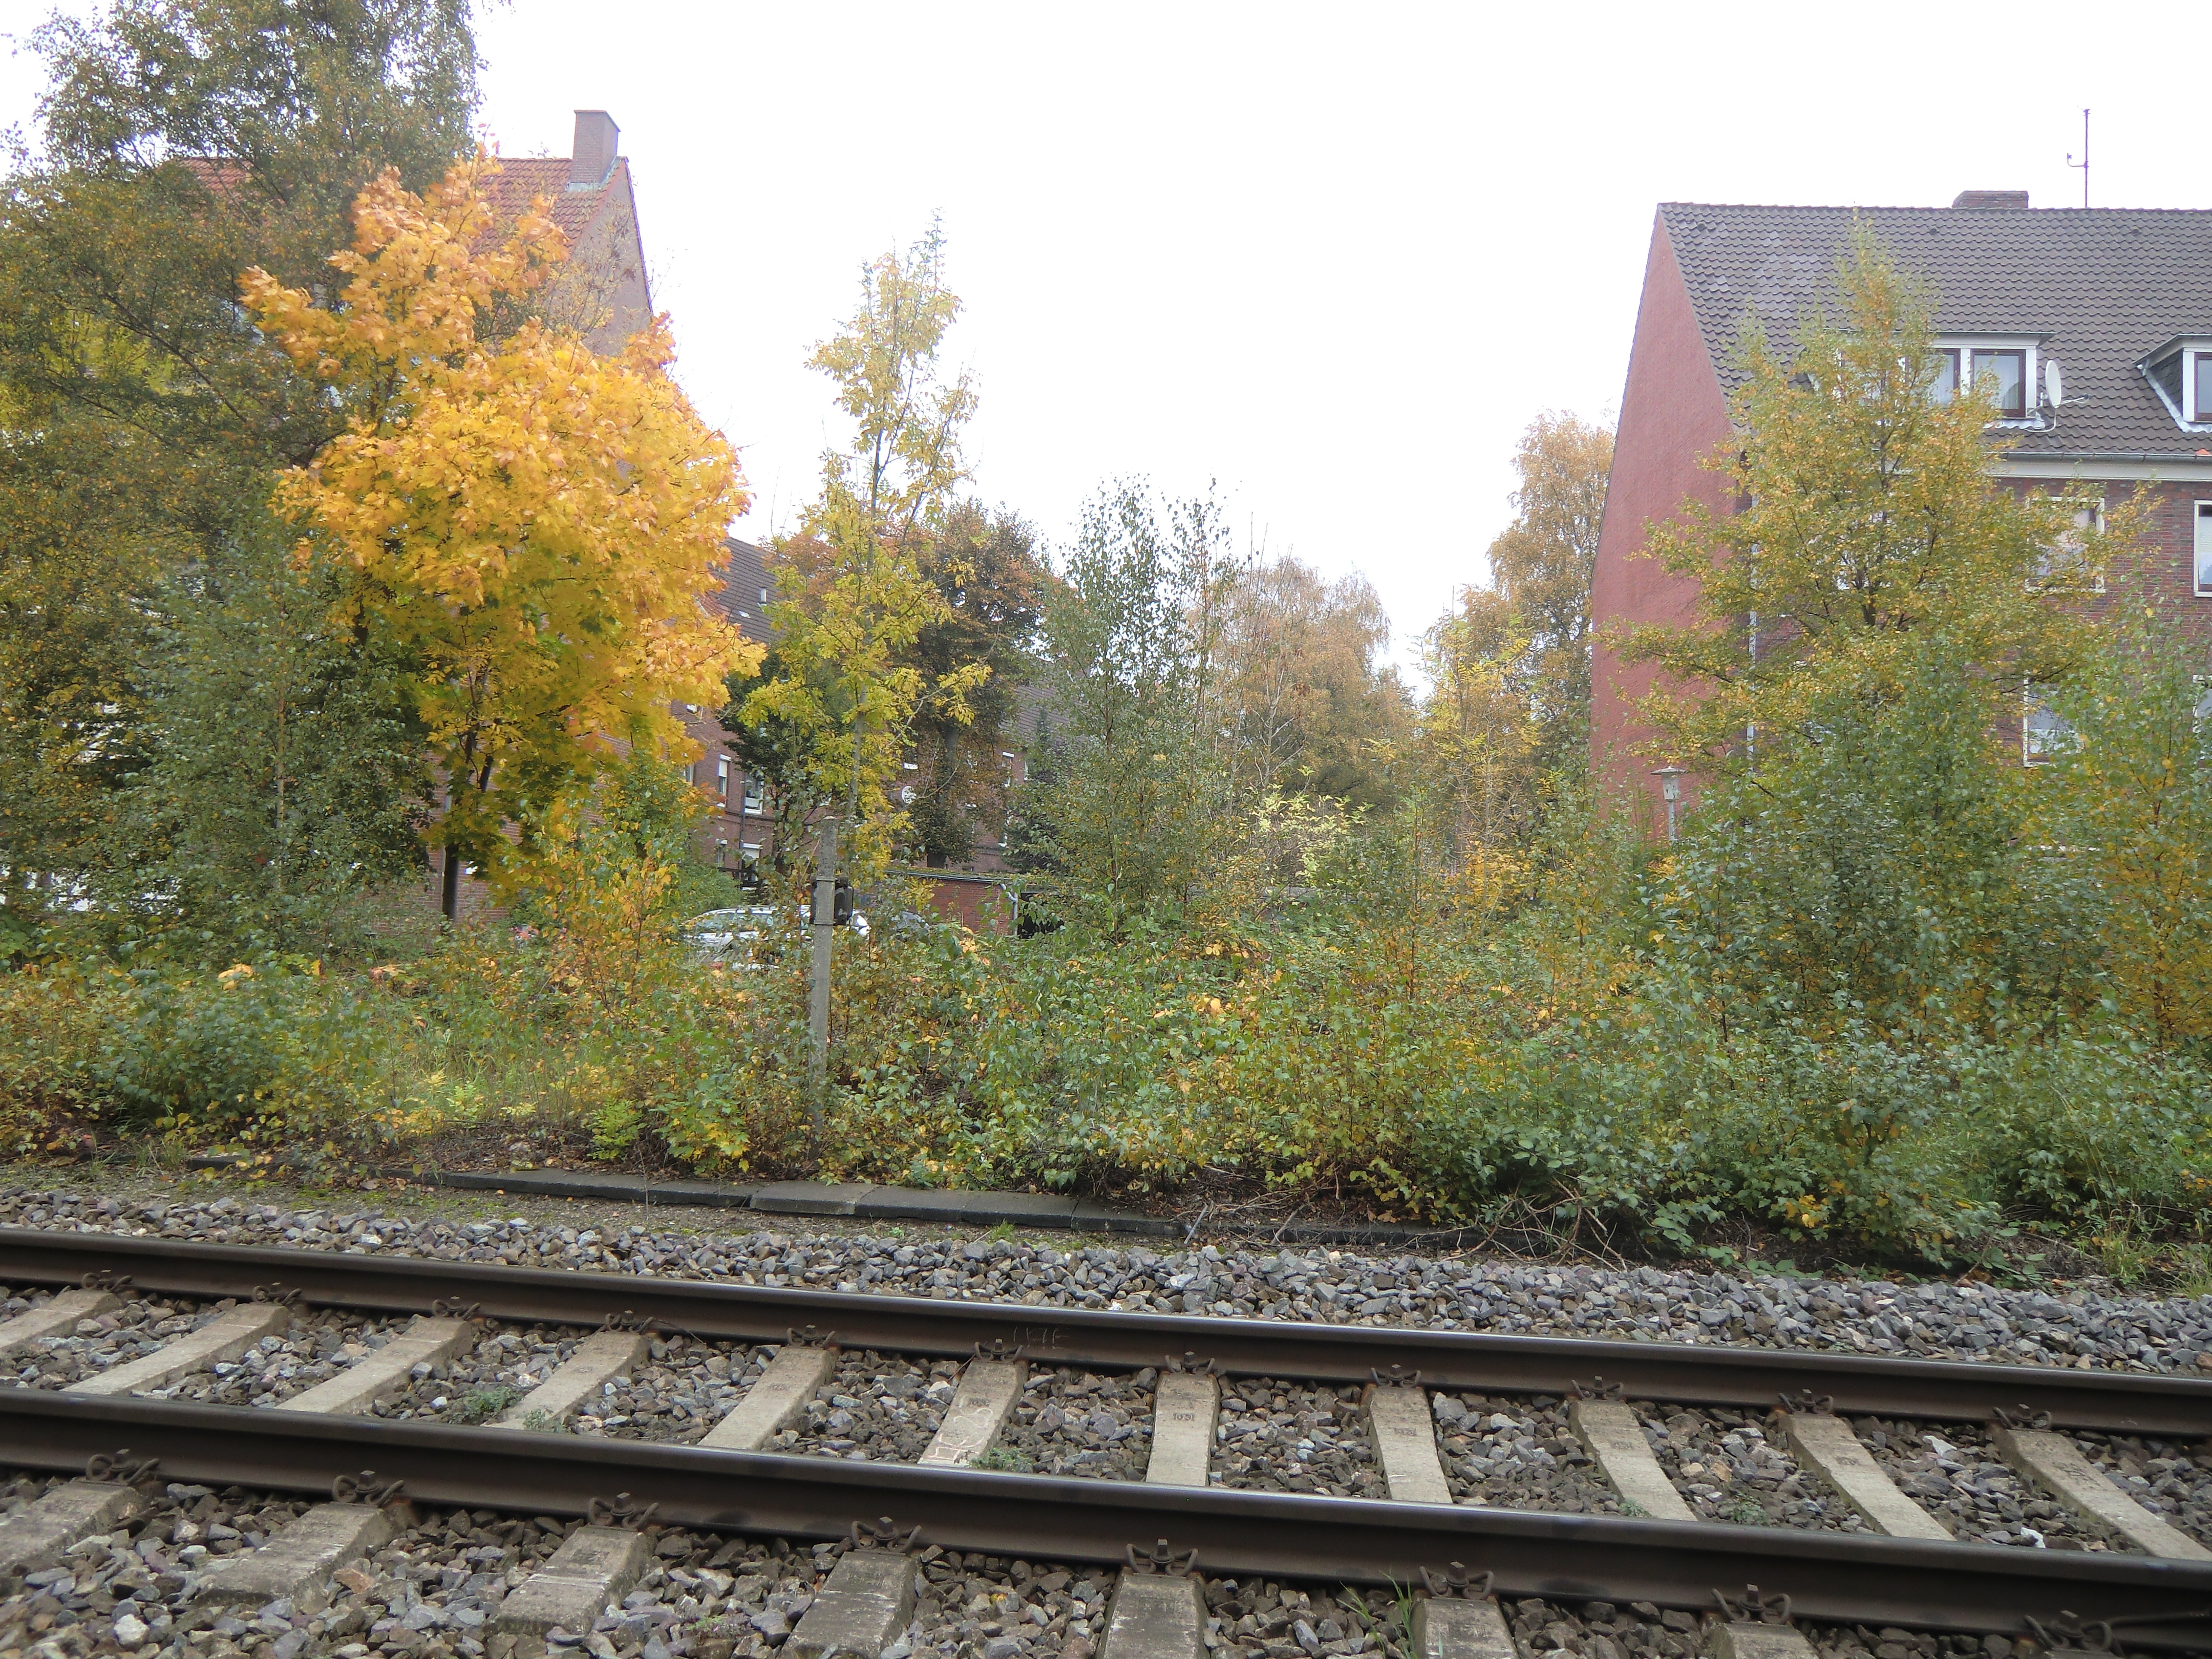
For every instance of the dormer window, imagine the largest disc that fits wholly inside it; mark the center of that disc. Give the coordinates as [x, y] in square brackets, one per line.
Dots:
[2181, 373]
[2004, 371]
[2003, 376]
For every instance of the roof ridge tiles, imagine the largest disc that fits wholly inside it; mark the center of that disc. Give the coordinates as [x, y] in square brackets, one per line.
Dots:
[1985, 213]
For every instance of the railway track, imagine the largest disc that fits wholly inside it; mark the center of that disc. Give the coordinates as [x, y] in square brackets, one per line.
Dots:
[1296, 1452]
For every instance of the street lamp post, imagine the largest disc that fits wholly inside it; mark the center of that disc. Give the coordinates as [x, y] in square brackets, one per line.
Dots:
[1671, 790]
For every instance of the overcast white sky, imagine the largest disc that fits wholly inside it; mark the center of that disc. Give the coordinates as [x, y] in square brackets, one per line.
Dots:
[1332, 258]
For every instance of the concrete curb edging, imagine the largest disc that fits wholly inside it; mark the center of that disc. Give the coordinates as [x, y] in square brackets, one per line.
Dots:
[861, 1203]
[864, 1203]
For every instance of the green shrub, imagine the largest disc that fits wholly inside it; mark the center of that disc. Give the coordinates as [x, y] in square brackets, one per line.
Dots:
[1452, 1064]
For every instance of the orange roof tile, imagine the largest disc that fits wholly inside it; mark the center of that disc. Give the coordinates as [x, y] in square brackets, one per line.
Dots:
[523, 177]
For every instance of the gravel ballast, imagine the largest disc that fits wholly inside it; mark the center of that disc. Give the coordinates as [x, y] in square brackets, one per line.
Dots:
[877, 1407]
[1093, 1426]
[2159, 1474]
[1952, 1471]
[1730, 1469]
[1518, 1453]
[1282, 1435]
[2089, 1325]
[437, 1589]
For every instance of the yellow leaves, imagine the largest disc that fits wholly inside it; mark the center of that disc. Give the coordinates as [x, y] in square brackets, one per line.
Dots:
[537, 526]
[1807, 1212]
[236, 972]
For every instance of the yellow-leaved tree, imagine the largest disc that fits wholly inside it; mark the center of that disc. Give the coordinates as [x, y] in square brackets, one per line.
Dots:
[842, 692]
[531, 523]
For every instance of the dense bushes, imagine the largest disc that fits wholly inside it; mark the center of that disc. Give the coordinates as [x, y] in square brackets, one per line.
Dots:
[1299, 1050]
[1667, 1047]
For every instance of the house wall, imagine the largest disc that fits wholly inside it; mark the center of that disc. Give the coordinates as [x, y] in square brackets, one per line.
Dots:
[979, 905]
[2163, 568]
[1673, 414]
[610, 292]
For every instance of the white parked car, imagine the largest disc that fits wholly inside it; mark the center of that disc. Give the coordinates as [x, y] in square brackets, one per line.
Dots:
[719, 935]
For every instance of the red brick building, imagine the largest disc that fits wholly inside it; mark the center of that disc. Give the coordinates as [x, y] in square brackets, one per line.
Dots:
[2094, 325]
[738, 830]
[602, 289]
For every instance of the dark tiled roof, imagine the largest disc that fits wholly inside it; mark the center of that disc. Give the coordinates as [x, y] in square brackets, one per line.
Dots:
[2101, 287]
[744, 578]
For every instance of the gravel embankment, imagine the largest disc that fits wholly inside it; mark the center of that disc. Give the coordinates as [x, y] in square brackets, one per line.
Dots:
[1725, 1464]
[2161, 1476]
[1288, 1436]
[1085, 1424]
[685, 1388]
[877, 1407]
[478, 1385]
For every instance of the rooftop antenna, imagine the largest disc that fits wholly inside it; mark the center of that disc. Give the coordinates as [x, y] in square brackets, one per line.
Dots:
[2081, 167]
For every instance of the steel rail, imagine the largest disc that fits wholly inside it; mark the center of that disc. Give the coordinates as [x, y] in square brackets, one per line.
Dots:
[1944, 1389]
[1866, 1580]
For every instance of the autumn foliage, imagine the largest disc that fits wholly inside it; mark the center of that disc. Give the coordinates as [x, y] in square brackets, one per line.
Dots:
[534, 524]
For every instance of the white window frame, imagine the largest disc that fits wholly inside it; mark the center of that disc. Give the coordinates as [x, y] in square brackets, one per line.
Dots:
[752, 795]
[2032, 698]
[2185, 413]
[2093, 506]
[2031, 350]
[2200, 547]
[722, 776]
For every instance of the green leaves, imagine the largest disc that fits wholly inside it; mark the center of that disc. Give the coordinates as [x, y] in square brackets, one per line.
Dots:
[1136, 790]
[185, 143]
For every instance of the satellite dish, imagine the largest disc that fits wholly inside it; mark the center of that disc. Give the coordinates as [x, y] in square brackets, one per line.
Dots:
[2054, 387]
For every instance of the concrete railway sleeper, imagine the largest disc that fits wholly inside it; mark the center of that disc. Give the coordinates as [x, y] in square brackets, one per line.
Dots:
[131, 1569]
[1806, 1470]
[1707, 1477]
[1367, 1547]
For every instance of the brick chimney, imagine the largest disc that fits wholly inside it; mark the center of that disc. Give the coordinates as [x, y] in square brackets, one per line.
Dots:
[597, 137]
[1966, 198]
